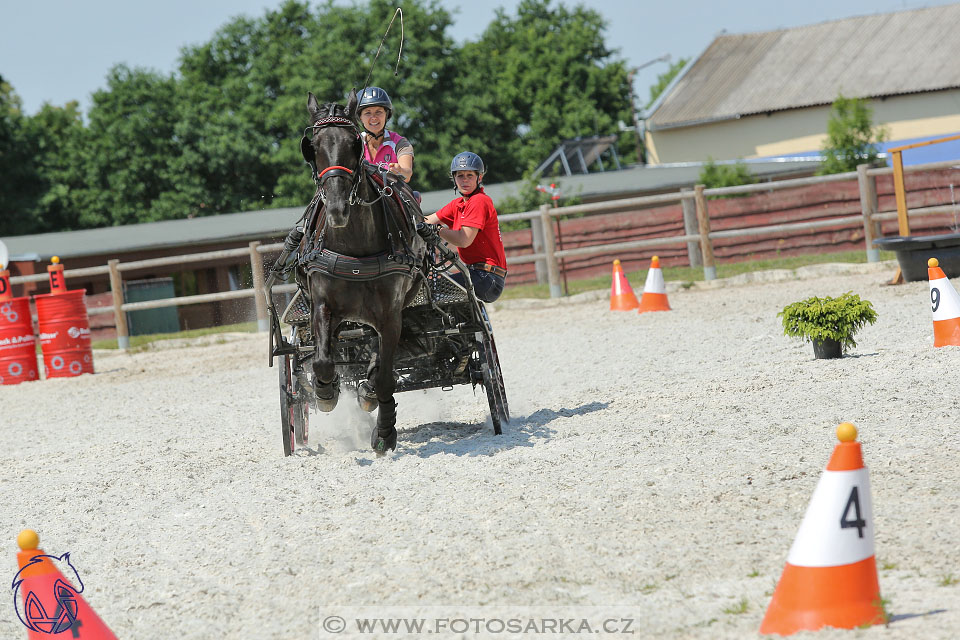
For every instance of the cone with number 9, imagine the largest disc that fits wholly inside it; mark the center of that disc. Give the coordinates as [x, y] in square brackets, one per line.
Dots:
[830, 579]
[945, 303]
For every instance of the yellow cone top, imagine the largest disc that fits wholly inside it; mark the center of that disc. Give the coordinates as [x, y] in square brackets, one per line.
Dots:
[28, 540]
[55, 259]
[846, 432]
[933, 262]
[655, 262]
[616, 263]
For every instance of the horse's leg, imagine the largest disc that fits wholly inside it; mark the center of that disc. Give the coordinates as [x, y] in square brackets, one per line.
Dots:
[367, 391]
[384, 435]
[326, 383]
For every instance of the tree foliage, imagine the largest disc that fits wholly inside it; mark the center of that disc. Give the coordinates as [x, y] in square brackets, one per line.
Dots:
[536, 79]
[714, 175]
[221, 134]
[664, 80]
[20, 187]
[852, 138]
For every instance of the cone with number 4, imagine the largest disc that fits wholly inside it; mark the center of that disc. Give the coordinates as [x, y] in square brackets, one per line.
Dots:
[945, 303]
[622, 297]
[654, 296]
[830, 579]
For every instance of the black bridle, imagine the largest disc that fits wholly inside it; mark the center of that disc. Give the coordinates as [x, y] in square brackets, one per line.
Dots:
[334, 171]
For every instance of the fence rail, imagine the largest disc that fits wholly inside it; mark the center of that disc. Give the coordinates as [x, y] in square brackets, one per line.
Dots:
[698, 238]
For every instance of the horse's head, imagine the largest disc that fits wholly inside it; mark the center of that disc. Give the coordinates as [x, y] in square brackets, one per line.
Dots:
[333, 144]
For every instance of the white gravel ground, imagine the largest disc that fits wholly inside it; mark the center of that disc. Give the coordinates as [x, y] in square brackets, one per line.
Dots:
[659, 462]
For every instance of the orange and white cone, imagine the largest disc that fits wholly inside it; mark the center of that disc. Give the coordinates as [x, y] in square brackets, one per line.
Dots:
[51, 604]
[622, 297]
[945, 303]
[830, 579]
[655, 290]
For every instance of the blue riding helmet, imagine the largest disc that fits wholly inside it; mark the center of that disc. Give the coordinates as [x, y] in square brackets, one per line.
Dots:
[375, 97]
[467, 161]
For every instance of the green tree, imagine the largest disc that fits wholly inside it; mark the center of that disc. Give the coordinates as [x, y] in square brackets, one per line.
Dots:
[222, 133]
[852, 138]
[536, 79]
[714, 175]
[255, 75]
[59, 144]
[130, 144]
[21, 186]
[664, 79]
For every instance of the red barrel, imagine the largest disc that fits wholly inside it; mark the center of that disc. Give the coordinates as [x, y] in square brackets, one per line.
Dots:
[64, 334]
[18, 346]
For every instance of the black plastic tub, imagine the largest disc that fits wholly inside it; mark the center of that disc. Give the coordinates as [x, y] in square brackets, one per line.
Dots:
[914, 251]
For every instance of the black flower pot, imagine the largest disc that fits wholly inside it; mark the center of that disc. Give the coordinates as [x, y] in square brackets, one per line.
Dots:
[827, 348]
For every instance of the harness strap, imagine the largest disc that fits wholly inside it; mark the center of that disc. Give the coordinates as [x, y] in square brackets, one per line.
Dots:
[337, 265]
[336, 170]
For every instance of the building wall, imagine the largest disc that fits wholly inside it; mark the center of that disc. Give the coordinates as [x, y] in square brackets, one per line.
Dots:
[797, 131]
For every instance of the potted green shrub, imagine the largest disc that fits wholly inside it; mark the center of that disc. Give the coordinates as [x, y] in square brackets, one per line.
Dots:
[829, 323]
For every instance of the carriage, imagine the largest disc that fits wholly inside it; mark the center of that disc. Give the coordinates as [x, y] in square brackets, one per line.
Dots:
[446, 340]
[376, 307]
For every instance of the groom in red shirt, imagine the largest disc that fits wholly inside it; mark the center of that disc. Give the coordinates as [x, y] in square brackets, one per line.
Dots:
[472, 226]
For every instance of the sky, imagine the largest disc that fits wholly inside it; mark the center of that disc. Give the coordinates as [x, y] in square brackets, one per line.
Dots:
[60, 50]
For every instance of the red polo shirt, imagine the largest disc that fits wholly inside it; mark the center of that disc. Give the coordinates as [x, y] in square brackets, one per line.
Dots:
[478, 212]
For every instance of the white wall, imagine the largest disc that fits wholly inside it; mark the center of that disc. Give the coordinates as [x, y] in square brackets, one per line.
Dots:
[801, 130]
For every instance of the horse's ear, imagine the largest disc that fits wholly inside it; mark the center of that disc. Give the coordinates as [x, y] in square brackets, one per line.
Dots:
[352, 104]
[313, 107]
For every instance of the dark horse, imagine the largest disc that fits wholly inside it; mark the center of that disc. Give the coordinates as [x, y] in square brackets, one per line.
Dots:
[362, 259]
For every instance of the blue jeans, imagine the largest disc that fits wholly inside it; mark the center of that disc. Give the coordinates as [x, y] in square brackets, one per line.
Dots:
[486, 285]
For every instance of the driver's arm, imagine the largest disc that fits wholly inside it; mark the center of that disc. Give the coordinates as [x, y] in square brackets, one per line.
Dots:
[462, 237]
[403, 166]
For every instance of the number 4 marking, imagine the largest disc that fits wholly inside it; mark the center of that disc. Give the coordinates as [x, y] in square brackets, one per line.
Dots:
[858, 522]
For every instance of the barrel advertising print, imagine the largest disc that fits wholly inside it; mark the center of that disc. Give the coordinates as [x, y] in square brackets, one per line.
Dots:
[64, 334]
[18, 346]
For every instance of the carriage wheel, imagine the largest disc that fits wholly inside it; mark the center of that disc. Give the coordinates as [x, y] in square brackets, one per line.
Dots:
[494, 359]
[491, 387]
[287, 406]
[493, 383]
[301, 415]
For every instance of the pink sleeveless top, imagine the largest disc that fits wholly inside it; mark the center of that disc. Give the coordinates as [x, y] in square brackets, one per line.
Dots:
[387, 153]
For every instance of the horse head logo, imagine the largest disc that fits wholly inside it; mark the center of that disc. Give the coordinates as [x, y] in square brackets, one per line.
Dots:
[52, 612]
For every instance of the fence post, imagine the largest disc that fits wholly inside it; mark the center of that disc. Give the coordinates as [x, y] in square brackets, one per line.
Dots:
[900, 194]
[536, 237]
[703, 219]
[116, 288]
[868, 206]
[259, 299]
[690, 228]
[549, 246]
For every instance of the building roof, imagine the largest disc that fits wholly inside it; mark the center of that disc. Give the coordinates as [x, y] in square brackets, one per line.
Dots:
[275, 223]
[864, 57]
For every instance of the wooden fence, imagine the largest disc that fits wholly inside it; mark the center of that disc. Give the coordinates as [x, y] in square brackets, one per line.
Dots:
[690, 232]
[836, 212]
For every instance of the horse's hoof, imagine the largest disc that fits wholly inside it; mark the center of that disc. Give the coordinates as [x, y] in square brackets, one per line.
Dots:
[327, 397]
[367, 397]
[382, 444]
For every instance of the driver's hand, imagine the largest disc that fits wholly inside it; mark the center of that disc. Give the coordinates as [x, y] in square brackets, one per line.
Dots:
[429, 232]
